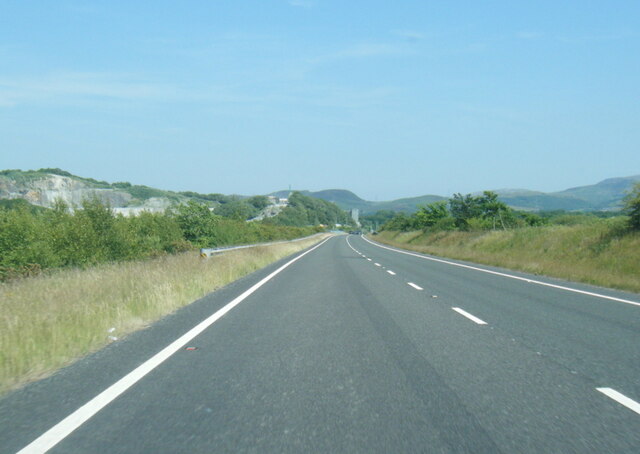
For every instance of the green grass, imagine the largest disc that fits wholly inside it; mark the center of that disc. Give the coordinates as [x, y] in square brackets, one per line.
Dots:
[49, 321]
[143, 193]
[18, 204]
[21, 177]
[601, 253]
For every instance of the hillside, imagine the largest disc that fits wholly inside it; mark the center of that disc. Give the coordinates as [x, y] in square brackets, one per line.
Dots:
[606, 195]
[346, 200]
[44, 186]
[407, 204]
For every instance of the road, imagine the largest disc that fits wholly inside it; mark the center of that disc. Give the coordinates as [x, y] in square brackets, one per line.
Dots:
[356, 348]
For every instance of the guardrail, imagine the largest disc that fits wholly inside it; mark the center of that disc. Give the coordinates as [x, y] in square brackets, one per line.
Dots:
[208, 252]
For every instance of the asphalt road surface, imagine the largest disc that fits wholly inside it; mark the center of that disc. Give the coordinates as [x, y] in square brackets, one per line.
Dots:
[356, 347]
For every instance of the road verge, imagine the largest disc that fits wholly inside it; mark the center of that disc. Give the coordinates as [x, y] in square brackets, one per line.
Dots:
[595, 254]
[50, 321]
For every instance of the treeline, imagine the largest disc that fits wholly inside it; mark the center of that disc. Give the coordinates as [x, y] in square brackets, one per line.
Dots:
[33, 239]
[486, 212]
[301, 211]
[242, 209]
[27, 175]
[463, 212]
[305, 210]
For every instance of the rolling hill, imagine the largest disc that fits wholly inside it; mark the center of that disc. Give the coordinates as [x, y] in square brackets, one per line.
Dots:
[347, 200]
[606, 195]
[42, 187]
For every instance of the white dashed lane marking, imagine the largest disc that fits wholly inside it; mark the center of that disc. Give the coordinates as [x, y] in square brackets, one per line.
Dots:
[473, 318]
[621, 399]
[609, 392]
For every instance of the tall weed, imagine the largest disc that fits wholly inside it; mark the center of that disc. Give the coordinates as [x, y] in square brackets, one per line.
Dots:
[52, 319]
[602, 252]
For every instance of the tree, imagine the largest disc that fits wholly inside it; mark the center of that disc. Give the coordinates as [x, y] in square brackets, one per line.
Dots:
[94, 231]
[375, 220]
[237, 209]
[430, 215]
[259, 202]
[400, 222]
[531, 219]
[304, 211]
[632, 207]
[197, 222]
[463, 209]
[492, 209]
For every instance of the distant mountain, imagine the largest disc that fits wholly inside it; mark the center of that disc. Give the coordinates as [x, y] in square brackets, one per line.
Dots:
[547, 202]
[607, 195]
[604, 195]
[42, 187]
[407, 204]
[347, 200]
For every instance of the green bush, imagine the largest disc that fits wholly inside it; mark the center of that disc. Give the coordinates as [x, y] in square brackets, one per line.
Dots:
[632, 207]
[35, 239]
[308, 211]
[239, 210]
[145, 192]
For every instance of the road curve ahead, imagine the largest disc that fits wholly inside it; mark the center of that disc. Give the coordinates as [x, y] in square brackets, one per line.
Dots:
[355, 347]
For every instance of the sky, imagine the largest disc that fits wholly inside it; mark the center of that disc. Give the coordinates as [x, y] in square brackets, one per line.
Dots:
[386, 99]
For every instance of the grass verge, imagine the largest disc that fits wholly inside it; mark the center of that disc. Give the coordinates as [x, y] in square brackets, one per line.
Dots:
[49, 321]
[601, 253]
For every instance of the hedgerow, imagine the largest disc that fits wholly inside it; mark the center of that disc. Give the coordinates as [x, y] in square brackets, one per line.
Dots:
[35, 240]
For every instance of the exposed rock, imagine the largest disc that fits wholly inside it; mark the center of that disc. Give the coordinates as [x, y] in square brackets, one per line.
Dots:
[45, 191]
[152, 205]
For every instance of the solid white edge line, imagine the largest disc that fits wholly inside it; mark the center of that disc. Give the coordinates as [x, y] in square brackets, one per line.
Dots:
[417, 287]
[377, 264]
[621, 399]
[354, 249]
[65, 427]
[473, 318]
[510, 276]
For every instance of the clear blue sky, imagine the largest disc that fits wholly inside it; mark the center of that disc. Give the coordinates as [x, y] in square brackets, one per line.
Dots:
[387, 99]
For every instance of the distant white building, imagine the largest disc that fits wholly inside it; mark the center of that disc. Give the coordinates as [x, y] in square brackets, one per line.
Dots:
[277, 200]
[355, 215]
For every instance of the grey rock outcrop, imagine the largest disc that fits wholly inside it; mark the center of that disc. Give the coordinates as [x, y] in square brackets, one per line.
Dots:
[45, 191]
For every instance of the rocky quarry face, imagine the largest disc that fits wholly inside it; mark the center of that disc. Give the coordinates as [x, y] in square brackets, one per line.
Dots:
[44, 192]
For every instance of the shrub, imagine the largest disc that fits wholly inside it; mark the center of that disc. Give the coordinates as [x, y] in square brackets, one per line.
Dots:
[632, 207]
[33, 240]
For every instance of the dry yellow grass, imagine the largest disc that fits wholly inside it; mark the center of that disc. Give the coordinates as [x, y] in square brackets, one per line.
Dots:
[599, 253]
[49, 321]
